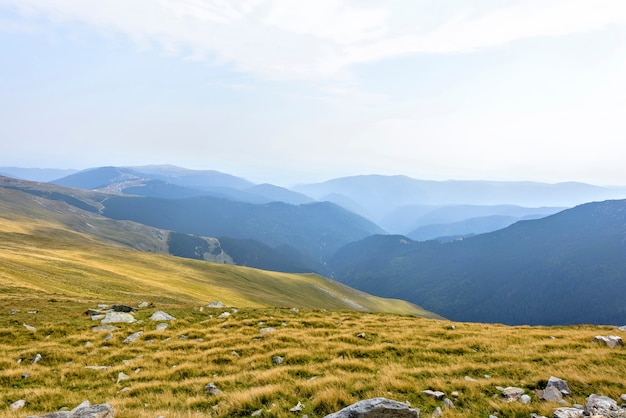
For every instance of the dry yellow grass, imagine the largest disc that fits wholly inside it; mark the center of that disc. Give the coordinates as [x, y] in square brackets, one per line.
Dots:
[326, 364]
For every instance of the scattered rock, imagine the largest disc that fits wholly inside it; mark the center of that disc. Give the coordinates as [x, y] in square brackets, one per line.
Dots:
[36, 359]
[470, 379]
[162, 316]
[211, 389]
[377, 407]
[123, 308]
[297, 408]
[609, 340]
[277, 360]
[97, 367]
[17, 405]
[551, 394]
[215, 305]
[295, 310]
[13, 311]
[448, 404]
[525, 399]
[122, 376]
[143, 305]
[512, 393]
[104, 328]
[436, 394]
[132, 337]
[568, 413]
[437, 412]
[560, 384]
[601, 405]
[98, 317]
[30, 328]
[361, 335]
[454, 394]
[267, 330]
[162, 326]
[623, 397]
[224, 315]
[25, 375]
[118, 317]
[257, 413]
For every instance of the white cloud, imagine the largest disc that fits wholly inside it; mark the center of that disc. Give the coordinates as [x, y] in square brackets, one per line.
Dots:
[323, 38]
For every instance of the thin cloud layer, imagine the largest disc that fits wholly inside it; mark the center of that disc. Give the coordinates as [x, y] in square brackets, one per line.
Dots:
[322, 39]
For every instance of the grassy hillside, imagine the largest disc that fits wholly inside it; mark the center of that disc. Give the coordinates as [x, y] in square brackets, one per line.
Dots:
[327, 362]
[333, 354]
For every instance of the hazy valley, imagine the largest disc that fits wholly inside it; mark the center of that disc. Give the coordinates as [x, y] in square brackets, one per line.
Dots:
[292, 261]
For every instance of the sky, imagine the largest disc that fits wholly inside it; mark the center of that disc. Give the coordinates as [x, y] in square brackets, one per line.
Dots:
[287, 92]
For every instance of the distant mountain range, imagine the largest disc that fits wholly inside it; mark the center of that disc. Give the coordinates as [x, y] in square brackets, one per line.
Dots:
[562, 269]
[470, 251]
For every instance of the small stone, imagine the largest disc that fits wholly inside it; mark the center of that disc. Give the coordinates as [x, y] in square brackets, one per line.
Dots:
[512, 393]
[487, 376]
[162, 316]
[36, 359]
[97, 367]
[107, 337]
[525, 399]
[162, 326]
[435, 394]
[143, 305]
[257, 413]
[17, 405]
[122, 376]
[103, 306]
[295, 310]
[455, 394]
[211, 389]
[267, 330]
[104, 328]
[361, 335]
[470, 379]
[297, 408]
[30, 328]
[224, 315]
[448, 404]
[215, 305]
[623, 397]
[277, 360]
[437, 412]
[13, 311]
[132, 337]
[25, 375]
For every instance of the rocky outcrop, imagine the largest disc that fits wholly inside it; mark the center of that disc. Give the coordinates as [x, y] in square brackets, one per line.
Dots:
[375, 408]
[597, 406]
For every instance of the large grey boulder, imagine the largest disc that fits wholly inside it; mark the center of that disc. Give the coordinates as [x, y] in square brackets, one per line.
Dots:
[609, 340]
[377, 408]
[560, 384]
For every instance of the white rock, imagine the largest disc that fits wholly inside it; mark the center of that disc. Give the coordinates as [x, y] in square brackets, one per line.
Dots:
[162, 316]
[122, 376]
[297, 408]
[224, 315]
[118, 317]
[30, 328]
[161, 326]
[132, 337]
[17, 405]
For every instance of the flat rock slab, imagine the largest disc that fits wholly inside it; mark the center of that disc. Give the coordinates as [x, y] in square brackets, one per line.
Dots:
[118, 317]
[162, 316]
[377, 408]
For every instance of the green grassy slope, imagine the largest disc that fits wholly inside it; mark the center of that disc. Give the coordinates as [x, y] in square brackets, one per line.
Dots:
[46, 251]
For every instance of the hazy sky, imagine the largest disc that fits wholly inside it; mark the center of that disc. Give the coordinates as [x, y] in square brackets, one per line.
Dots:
[289, 91]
